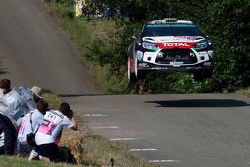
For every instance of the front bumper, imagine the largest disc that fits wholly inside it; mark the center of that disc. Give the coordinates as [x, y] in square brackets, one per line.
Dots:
[175, 60]
[150, 66]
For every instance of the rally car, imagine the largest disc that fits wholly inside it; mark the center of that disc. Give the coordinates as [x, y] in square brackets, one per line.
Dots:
[170, 45]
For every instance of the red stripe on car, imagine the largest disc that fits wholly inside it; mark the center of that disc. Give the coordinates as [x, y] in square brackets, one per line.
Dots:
[172, 45]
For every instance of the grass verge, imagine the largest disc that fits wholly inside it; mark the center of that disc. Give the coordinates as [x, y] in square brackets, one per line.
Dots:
[245, 92]
[94, 150]
[7, 161]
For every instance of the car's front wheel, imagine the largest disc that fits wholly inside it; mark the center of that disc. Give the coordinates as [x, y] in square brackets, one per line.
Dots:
[132, 70]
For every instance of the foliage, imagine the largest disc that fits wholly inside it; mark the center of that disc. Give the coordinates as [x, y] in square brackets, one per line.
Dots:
[226, 22]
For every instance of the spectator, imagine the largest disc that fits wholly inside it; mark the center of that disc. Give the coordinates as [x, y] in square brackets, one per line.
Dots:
[13, 106]
[4, 86]
[30, 124]
[31, 104]
[48, 131]
[37, 93]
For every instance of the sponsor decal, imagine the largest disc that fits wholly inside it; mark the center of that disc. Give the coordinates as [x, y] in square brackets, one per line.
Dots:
[143, 65]
[203, 53]
[172, 45]
[176, 64]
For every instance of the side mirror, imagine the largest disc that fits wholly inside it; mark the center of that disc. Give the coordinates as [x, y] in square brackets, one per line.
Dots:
[134, 37]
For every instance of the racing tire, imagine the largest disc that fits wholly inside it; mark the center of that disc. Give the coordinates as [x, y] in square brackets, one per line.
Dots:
[132, 73]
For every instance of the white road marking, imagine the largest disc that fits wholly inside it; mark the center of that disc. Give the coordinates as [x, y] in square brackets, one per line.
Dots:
[104, 127]
[164, 161]
[95, 115]
[144, 149]
[123, 139]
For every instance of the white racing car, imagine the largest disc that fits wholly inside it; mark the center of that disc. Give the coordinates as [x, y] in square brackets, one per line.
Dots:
[170, 45]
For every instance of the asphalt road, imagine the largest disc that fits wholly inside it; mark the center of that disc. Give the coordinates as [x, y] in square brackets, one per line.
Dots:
[194, 130]
[200, 130]
[34, 51]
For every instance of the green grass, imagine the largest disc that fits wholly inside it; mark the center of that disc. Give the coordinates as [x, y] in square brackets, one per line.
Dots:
[7, 161]
[245, 92]
[53, 100]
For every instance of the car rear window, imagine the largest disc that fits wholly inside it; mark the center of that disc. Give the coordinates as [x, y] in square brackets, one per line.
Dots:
[150, 30]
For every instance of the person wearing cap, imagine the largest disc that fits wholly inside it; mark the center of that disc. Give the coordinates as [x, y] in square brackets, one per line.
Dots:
[37, 95]
[51, 128]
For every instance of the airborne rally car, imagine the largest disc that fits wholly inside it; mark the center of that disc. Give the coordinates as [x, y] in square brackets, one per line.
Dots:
[170, 45]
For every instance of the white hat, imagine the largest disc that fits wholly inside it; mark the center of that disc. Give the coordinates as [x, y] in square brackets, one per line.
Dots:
[37, 91]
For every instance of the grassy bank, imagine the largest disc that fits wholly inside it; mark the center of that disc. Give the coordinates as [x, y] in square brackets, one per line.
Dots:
[83, 33]
[245, 92]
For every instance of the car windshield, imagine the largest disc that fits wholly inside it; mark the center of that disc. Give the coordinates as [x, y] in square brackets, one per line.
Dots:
[152, 31]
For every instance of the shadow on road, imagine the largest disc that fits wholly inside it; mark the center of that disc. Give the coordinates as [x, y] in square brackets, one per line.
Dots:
[200, 103]
[3, 71]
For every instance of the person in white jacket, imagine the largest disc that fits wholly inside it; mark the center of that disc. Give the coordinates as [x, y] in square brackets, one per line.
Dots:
[13, 106]
[30, 124]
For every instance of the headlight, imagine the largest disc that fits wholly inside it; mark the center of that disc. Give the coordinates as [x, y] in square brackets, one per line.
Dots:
[150, 46]
[200, 45]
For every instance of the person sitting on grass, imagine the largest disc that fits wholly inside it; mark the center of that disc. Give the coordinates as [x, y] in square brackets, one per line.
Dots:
[48, 131]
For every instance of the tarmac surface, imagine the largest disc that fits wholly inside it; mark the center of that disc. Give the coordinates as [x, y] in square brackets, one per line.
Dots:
[191, 130]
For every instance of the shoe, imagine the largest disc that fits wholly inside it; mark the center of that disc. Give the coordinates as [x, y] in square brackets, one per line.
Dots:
[33, 155]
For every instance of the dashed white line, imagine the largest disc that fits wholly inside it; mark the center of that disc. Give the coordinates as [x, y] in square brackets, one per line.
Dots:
[95, 115]
[122, 139]
[104, 127]
[143, 149]
[164, 161]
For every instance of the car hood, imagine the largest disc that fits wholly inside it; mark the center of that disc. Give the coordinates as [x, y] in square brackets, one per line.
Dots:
[171, 42]
[161, 39]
